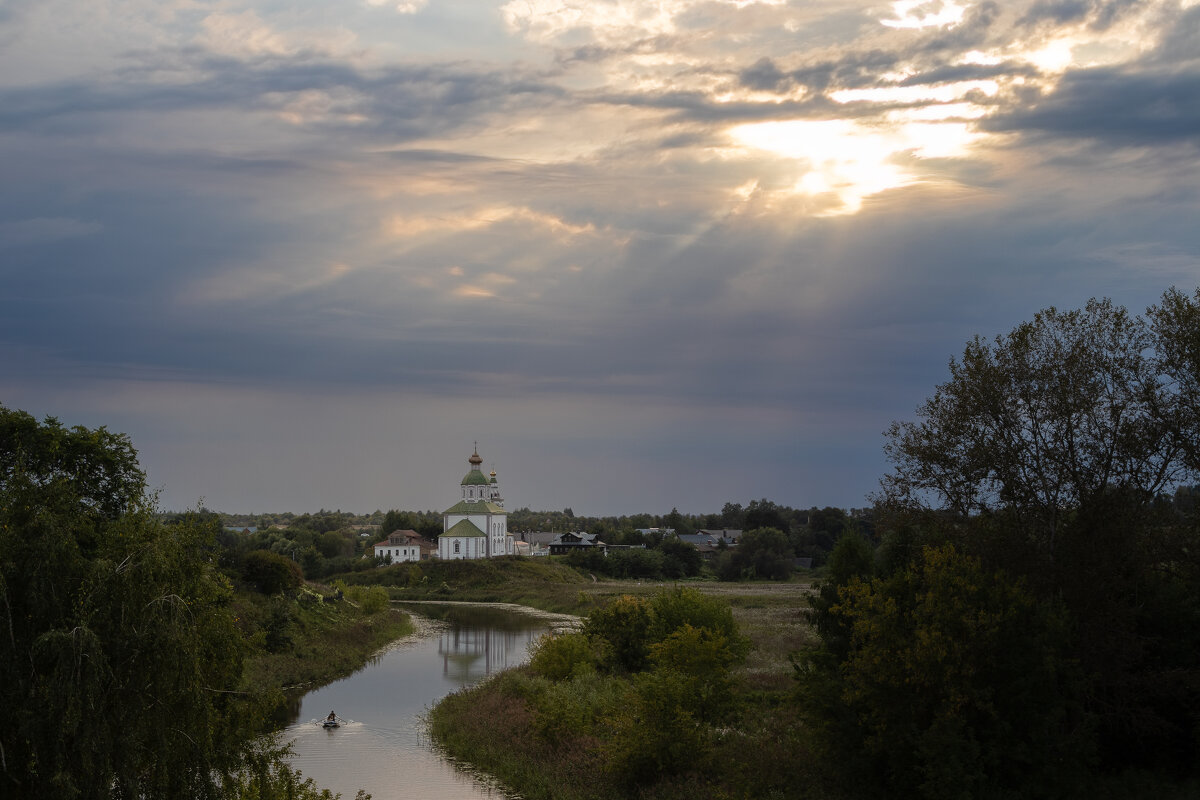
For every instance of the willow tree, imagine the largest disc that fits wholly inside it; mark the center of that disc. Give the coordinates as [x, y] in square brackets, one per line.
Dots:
[119, 653]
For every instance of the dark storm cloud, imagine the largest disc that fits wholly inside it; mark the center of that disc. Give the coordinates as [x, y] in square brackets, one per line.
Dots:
[388, 222]
[1098, 14]
[764, 76]
[850, 71]
[598, 54]
[1113, 106]
[977, 28]
[405, 101]
[954, 73]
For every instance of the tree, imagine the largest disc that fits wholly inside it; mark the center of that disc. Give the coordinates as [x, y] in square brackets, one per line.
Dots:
[119, 648]
[957, 683]
[852, 560]
[680, 559]
[677, 523]
[1049, 417]
[761, 553]
[1175, 323]
[1052, 452]
[732, 516]
[270, 573]
[766, 514]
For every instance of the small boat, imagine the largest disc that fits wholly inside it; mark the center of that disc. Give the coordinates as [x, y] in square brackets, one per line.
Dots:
[331, 723]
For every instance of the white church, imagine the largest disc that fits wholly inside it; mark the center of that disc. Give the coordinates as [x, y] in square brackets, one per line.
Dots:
[477, 525]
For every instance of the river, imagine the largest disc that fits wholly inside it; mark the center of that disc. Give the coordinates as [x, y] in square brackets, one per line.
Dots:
[383, 746]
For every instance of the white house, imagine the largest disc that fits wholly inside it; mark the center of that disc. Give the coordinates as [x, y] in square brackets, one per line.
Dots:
[477, 525]
[401, 546]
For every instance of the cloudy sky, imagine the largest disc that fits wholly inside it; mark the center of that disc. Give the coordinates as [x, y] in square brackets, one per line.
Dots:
[648, 253]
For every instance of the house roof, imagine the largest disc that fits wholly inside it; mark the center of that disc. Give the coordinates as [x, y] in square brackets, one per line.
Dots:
[385, 544]
[464, 527]
[539, 537]
[478, 507]
[728, 534]
[575, 538]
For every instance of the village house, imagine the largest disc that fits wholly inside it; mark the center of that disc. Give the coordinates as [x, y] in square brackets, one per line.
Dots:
[569, 542]
[401, 546]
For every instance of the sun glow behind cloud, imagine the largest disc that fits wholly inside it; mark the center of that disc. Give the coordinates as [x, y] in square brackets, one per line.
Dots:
[850, 161]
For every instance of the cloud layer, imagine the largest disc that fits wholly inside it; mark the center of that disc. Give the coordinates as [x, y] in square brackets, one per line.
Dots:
[649, 254]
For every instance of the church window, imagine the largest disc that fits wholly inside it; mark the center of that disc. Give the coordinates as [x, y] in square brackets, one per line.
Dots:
[456, 547]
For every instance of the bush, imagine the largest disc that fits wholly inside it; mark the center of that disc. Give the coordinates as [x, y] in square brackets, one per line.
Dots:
[568, 711]
[956, 679]
[562, 656]
[620, 629]
[270, 573]
[627, 628]
[762, 553]
[673, 609]
[658, 734]
[371, 599]
[702, 659]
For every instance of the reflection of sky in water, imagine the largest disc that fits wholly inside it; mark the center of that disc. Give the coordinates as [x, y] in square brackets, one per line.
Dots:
[383, 748]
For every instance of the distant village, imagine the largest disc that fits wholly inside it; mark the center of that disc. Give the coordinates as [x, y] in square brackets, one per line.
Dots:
[477, 527]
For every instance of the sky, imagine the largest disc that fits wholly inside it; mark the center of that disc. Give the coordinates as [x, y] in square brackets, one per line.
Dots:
[648, 254]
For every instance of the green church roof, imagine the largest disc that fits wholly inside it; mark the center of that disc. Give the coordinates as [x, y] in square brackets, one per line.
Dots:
[464, 527]
[474, 478]
[478, 507]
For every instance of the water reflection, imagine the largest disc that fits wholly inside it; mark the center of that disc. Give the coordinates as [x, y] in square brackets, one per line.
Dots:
[385, 750]
[469, 654]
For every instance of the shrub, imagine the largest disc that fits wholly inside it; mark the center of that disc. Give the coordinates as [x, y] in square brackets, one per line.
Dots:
[673, 609]
[568, 711]
[562, 656]
[955, 678]
[371, 599]
[702, 659]
[658, 734]
[628, 627]
[375, 599]
[620, 629]
[270, 573]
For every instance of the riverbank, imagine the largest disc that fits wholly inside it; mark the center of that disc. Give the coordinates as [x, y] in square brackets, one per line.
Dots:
[546, 584]
[305, 639]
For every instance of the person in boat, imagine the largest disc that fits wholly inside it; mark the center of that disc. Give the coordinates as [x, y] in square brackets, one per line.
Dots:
[331, 718]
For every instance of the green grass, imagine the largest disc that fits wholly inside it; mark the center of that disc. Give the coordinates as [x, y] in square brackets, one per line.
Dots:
[542, 583]
[317, 642]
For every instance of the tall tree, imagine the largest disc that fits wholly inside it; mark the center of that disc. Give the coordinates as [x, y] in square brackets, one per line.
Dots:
[1053, 415]
[1051, 453]
[118, 649]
